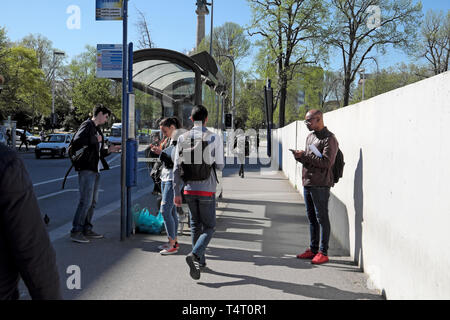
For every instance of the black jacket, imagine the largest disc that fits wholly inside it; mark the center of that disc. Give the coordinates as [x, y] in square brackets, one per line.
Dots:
[86, 136]
[25, 247]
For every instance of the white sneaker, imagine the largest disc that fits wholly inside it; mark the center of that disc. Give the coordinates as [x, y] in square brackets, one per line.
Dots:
[168, 251]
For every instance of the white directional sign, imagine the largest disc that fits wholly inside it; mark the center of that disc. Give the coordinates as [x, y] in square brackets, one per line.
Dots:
[109, 61]
[108, 10]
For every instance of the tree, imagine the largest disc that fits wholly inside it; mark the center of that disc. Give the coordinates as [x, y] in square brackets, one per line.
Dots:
[82, 66]
[290, 30]
[435, 34]
[228, 40]
[92, 91]
[4, 44]
[332, 90]
[359, 26]
[251, 105]
[312, 84]
[144, 40]
[85, 90]
[26, 92]
[390, 79]
[44, 54]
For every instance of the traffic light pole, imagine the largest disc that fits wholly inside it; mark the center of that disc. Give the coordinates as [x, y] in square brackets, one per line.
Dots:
[268, 101]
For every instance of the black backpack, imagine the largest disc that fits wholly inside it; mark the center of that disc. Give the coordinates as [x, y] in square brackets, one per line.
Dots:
[74, 156]
[338, 167]
[192, 169]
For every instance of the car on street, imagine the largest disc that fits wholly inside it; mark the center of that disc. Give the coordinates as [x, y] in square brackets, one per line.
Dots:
[115, 138]
[30, 138]
[54, 145]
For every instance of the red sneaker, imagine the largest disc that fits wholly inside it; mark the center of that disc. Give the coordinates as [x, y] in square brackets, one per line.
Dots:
[320, 258]
[308, 254]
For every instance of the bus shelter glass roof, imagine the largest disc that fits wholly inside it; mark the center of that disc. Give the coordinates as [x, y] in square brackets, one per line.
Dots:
[170, 74]
[164, 77]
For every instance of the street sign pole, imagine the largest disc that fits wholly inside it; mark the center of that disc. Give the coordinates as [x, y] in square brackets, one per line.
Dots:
[131, 142]
[123, 208]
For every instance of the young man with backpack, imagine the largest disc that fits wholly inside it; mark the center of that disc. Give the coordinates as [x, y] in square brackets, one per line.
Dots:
[199, 153]
[317, 176]
[89, 139]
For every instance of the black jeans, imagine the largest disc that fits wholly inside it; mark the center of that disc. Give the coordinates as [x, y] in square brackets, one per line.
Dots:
[316, 201]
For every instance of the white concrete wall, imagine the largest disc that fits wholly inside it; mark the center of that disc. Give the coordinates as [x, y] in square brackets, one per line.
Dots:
[391, 210]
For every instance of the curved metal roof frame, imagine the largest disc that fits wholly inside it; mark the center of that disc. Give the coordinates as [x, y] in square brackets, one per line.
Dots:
[202, 65]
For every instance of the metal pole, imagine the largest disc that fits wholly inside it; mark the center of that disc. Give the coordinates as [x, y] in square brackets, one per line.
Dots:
[212, 28]
[53, 93]
[362, 73]
[364, 84]
[130, 91]
[233, 84]
[233, 94]
[123, 207]
[55, 53]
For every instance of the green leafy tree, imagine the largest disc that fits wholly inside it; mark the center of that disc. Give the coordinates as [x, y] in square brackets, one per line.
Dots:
[251, 105]
[312, 82]
[26, 92]
[390, 79]
[92, 91]
[228, 40]
[290, 31]
[85, 90]
[44, 54]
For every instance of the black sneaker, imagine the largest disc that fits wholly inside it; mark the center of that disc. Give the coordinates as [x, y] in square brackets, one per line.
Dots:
[194, 265]
[92, 235]
[78, 237]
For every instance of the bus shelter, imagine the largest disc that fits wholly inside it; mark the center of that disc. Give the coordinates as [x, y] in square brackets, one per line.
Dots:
[169, 83]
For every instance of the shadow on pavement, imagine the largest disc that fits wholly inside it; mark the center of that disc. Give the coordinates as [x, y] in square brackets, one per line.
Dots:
[316, 291]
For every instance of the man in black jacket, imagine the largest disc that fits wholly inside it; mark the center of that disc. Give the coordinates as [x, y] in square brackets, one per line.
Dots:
[89, 138]
[25, 247]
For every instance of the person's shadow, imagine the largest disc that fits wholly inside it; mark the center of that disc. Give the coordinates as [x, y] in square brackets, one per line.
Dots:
[358, 197]
[316, 291]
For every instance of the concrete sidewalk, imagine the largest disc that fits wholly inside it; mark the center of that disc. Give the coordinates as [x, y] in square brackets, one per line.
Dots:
[261, 227]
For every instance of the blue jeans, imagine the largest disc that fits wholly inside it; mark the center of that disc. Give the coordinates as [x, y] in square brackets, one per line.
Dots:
[89, 182]
[203, 222]
[316, 201]
[168, 209]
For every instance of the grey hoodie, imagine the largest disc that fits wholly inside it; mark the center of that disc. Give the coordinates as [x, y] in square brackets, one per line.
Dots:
[208, 185]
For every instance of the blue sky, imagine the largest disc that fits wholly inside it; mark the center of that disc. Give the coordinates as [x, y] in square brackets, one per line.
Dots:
[172, 22]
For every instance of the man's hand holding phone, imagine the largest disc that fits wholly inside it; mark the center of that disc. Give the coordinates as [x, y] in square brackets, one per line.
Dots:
[297, 153]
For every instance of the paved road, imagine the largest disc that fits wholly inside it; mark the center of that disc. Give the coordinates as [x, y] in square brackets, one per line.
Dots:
[60, 205]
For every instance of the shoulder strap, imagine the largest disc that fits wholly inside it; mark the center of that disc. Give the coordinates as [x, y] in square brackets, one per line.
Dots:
[71, 166]
[215, 173]
[65, 177]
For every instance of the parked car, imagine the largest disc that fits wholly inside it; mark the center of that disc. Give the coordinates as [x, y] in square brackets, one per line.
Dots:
[31, 139]
[116, 135]
[54, 145]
